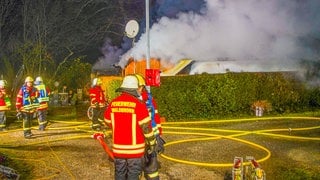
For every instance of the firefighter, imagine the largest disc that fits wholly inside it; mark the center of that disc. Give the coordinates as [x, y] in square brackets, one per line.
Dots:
[98, 103]
[27, 104]
[43, 99]
[152, 106]
[151, 162]
[4, 105]
[128, 117]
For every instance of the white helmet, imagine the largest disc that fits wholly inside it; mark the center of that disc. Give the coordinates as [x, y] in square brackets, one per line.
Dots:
[130, 82]
[2, 83]
[38, 80]
[96, 81]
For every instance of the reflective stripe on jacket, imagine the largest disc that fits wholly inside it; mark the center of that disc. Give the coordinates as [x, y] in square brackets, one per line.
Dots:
[43, 93]
[27, 99]
[125, 115]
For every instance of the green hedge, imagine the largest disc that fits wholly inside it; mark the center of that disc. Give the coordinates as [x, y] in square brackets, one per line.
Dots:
[110, 88]
[230, 95]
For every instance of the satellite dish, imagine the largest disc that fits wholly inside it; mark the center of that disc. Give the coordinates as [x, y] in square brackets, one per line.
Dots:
[132, 28]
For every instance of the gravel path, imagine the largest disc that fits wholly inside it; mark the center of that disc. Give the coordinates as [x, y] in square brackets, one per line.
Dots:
[67, 151]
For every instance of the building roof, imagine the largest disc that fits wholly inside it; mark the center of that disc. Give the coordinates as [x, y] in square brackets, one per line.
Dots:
[178, 68]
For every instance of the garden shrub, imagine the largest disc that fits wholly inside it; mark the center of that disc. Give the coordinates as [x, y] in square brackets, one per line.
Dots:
[208, 96]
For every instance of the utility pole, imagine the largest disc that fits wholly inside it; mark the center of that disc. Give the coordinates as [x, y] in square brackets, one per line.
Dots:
[148, 35]
[148, 41]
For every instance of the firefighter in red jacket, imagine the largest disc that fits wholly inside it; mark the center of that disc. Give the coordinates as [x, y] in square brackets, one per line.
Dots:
[43, 99]
[27, 104]
[151, 162]
[4, 105]
[151, 103]
[128, 117]
[98, 103]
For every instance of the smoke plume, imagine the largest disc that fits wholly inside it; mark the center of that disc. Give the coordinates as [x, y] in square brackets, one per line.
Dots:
[277, 32]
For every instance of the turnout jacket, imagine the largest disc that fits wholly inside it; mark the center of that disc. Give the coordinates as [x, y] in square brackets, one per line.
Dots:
[27, 99]
[126, 115]
[4, 100]
[43, 97]
[97, 96]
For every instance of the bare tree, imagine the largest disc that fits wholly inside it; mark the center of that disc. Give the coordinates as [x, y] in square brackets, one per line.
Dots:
[48, 33]
[8, 23]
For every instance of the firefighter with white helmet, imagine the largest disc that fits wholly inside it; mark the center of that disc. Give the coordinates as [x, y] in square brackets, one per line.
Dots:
[27, 104]
[2, 83]
[4, 104]
[43, 99]
[128, 117]
[98, 104]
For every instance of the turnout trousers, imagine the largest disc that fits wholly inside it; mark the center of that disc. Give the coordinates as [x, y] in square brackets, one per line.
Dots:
[2, 119]
[128, 169]
[97, 117]
[27, 123]
[42, 119]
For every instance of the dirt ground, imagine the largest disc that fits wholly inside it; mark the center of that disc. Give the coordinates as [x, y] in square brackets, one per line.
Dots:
[284, 148]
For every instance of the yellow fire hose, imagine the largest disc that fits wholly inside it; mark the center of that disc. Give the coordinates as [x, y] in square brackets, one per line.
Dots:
[209, 137]
[175, 129]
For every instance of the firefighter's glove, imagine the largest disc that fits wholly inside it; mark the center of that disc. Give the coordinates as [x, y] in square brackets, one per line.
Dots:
[19, 115]
[151, 149]
[160, 144]
[151, 146]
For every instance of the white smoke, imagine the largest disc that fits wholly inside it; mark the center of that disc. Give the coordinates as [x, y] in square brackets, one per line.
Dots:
[250, 30]
[111, 54]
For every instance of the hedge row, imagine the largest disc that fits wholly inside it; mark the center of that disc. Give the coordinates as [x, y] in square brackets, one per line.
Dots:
[231, 94]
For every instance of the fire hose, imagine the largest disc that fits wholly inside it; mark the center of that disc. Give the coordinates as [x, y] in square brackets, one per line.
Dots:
[151, 165]
[100, 137]
[234, 137]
